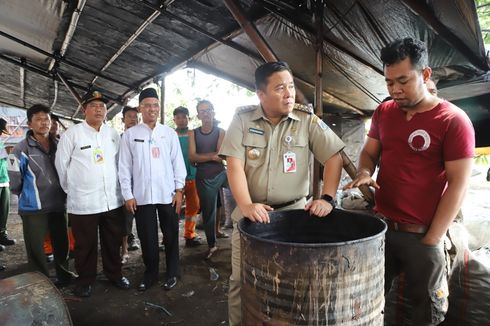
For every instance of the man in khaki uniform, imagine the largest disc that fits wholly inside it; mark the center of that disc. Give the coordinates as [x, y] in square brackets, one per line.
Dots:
[267, 148]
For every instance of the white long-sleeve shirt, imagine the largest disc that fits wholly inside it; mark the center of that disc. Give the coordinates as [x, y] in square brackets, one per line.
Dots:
[86, 161]
[151, 165]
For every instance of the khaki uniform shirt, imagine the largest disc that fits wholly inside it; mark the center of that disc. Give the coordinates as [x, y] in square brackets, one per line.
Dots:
[253, 139]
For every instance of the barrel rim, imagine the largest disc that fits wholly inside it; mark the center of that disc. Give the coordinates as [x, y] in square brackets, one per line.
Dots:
[314, 245]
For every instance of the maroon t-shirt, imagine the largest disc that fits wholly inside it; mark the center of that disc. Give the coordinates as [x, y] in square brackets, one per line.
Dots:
[411, 173]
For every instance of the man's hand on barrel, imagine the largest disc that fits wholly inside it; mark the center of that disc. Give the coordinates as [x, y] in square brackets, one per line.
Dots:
[319, 207]
[257, 212]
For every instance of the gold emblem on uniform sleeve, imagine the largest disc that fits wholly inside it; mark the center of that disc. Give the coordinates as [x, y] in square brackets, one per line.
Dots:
[253, 154]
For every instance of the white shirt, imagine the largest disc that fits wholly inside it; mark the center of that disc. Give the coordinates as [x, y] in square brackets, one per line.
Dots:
[86, 161]
[151, 165]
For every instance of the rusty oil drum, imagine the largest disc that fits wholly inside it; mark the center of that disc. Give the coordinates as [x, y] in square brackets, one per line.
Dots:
[306, 270]
[31, 299]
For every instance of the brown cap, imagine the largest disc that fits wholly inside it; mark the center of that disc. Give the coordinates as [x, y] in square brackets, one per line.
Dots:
[94, 95]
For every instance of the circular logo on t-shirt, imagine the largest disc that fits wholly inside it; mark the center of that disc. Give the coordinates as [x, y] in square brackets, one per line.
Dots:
[419, 140]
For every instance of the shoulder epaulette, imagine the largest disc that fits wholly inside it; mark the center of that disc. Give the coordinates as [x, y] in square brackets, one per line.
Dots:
[246, 108]
[303, 108]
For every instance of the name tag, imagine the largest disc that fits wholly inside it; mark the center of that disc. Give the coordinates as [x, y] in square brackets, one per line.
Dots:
[98, 155]
[139, 140]
[255, 131]
[155, 152]
[289, 159]
[85, 147]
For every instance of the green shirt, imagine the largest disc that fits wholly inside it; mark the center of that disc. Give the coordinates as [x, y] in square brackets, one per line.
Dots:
[4, 177]
[184, 145]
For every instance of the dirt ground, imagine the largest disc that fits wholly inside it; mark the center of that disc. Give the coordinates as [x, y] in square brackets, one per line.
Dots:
[196, 300]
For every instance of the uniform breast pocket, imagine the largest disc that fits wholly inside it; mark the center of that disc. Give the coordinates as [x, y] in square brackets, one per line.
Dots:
[255, 150]
[85, 151]
[299, 147]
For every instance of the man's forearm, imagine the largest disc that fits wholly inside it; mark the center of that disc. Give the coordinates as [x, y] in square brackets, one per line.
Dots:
[201, 158]
[447, 210]
[366, 164]
[331, 175]
[458, 176]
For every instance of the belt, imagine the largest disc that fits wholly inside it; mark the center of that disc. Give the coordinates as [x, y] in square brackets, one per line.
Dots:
[402, 227]
[294, 201]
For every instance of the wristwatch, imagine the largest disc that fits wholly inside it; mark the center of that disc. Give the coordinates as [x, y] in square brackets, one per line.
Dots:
[329, 199]
[179, 190]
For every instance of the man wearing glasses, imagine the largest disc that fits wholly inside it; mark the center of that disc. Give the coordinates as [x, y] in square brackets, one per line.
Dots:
[152, 176]
[204, 144]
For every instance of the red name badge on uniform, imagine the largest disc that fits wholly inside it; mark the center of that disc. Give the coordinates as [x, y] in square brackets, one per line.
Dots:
[155, 152]
[289, 160]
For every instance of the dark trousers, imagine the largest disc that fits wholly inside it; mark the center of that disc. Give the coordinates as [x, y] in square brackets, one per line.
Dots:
[208, 190]
[128, 223]
[35, 227]
[146, 225]
[425, 273]
[110, 228]
[4, 207]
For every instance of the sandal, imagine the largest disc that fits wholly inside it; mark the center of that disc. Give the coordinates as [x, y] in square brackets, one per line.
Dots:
[211, 252]
[221, 235]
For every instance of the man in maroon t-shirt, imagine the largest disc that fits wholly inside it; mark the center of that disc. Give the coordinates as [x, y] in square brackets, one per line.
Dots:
[423, 146]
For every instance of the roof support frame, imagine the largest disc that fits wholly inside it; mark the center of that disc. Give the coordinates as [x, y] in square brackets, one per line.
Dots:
[39, 71]
[62, 59]
[72, 92]
[22, 76]
[267, 53]
[198, 29]
[289, 16]
[72, 26]
[133, 37]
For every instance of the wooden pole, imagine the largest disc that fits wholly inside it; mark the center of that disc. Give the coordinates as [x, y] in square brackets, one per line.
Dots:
[162, 101]
[317, 191]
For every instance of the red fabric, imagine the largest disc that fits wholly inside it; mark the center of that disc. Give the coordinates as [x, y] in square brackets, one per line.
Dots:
[48, 248]
[191, 209]
[411, 174]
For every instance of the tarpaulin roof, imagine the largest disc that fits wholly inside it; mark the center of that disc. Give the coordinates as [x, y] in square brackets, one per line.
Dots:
[120, 45]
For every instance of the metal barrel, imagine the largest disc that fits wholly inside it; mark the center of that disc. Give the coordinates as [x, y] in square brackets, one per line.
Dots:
[229, 204]
[305, 270]
[31, 299]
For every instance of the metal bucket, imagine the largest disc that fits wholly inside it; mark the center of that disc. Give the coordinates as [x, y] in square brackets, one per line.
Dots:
[306, 270]
[31, 299]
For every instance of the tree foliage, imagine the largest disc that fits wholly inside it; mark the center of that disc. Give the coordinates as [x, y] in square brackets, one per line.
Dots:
[483, 10]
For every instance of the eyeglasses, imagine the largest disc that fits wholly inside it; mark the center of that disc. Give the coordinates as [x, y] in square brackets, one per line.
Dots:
[207, 111]
[150, 105]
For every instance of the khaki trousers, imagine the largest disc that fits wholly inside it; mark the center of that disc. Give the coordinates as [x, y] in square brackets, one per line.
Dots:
[234, 299]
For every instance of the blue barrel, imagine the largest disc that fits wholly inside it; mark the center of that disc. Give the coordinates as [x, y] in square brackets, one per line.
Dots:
[306, 270]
